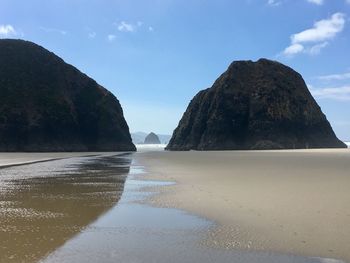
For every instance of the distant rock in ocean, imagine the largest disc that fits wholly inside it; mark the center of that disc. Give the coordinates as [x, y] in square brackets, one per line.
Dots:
[254, 105]
[152, 138]
[48, 105]
[139, 137]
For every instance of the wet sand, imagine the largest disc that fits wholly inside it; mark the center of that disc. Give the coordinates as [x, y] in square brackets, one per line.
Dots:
[135, 232]
[295, 202]
[80, 210]
[42, 205]
[10, 159]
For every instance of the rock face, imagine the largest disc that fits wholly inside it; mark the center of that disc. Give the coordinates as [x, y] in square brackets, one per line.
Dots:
[48, 105]
[254, 105]
[152, 138]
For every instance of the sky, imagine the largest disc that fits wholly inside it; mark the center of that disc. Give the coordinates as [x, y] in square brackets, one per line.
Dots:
[155, 55]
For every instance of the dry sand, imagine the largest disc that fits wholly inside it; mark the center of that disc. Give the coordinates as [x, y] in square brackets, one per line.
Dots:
[294, 201]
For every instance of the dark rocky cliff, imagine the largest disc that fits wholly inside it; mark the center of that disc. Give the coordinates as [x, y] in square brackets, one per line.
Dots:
[48, 105]
[254, 105]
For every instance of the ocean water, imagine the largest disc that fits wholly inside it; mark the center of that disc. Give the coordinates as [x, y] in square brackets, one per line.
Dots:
[150, 147]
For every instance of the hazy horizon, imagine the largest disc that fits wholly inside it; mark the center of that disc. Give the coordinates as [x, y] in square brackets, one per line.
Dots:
[156, 55]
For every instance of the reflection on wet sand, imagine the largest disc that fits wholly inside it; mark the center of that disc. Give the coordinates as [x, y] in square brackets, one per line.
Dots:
[44, 204]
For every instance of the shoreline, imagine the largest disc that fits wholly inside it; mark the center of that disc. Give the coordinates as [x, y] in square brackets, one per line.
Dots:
[289, 201]
[10, 159]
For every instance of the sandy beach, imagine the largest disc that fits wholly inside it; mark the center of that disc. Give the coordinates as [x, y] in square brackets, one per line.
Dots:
[14, 158]
[293, 202]
[44, 204]
[272, 206]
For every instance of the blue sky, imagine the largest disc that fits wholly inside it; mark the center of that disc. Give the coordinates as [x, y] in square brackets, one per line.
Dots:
[155, 55]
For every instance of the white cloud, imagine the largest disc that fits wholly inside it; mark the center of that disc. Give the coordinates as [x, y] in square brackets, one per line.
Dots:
[316, 2]
[342, 76]
[322, 30]
[320, 33]
[131, 27]
[293, 49]
[7, 31]
[336, 93]
[126, 27]
[274, 2]
[111, 37]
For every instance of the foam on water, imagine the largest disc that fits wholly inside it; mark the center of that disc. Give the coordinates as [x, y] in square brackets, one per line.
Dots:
[150, 147]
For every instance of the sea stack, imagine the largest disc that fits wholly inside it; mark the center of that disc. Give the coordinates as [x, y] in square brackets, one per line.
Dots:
[152, 138]
[254, 105]
[49, 105]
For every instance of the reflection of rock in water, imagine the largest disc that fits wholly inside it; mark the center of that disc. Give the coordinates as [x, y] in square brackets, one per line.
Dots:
[39, 213]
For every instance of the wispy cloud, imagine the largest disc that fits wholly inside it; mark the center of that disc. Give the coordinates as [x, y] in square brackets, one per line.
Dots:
[53, 30]
[293, 49]
[7, 31]
[279, 2]
[314, 39]
[316, 49]
[274, 2]
[316, 2]
[111, 37]
[335, 93]
[342, 76]
[321, 2]
[92, 34]
[126, 27]
[323, 30]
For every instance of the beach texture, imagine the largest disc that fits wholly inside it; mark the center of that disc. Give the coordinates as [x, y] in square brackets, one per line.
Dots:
[11, 159]
[42, 205]
[281, 201]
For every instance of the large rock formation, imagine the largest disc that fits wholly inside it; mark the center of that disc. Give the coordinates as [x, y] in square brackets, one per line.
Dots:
[139, 137]
[48, 105]
[152, 138]
[254, 105]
